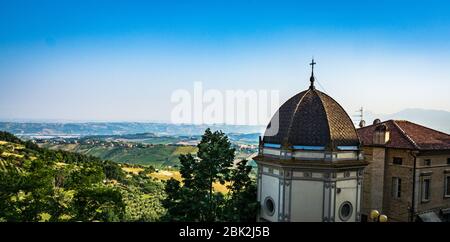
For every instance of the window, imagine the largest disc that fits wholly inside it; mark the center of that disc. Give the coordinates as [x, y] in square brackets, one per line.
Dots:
[269, 206]
[427, 162]
[398, 160]
[396, 187]
[447, 186]
[426, 181]
[345, 211]
[448, 161]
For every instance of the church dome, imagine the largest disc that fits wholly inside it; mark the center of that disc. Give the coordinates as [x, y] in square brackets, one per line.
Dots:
[312, 119]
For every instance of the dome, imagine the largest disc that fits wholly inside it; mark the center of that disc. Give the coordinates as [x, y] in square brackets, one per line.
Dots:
[362, 123]
[311, 119]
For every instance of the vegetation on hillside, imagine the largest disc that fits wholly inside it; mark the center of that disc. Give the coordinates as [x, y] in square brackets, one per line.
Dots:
[158, 156]
[38, 184]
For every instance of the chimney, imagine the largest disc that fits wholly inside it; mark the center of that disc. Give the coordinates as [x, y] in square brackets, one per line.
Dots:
[381, 135]
[362, 123]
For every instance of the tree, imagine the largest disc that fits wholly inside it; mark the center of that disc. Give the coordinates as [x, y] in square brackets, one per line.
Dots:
[113, 171]
[180, 203]
[241, 204]
[5, 136]
[98, 203]
[25, 195]
[216, 158]
[194, 199]
[85, 175]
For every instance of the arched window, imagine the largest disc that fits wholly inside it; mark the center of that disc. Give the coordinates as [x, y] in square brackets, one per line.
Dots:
[269, 206]
[345, 211]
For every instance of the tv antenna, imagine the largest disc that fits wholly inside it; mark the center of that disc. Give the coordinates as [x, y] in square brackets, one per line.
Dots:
[360, 115]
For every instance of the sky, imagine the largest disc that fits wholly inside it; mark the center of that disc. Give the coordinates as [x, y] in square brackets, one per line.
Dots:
[122, 60]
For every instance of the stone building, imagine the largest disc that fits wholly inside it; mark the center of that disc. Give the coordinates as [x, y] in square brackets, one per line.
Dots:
[408, 176]
[310, 166]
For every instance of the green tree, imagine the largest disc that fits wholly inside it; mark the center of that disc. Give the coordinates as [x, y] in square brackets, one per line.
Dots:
[195, 200]
[85, 175]
[216, 158]
[241, 205]
[5, 136]
[181, 203]
[26, 193]
[113, 171]
[98, 203]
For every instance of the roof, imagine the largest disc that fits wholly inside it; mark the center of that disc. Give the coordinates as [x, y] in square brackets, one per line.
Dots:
[408, 135]
[312, 118]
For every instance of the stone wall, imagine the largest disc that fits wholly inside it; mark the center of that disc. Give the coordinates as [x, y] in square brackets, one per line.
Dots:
[398, 209]
[378, 182]
[437, 172]
[372, 197]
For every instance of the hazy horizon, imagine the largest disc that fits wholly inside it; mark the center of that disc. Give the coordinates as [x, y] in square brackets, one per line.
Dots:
[353, 116]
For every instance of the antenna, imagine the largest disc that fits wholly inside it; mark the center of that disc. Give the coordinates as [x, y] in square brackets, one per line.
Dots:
[361, 122]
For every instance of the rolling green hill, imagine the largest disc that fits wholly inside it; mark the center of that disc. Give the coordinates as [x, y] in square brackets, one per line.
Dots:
[158, 156]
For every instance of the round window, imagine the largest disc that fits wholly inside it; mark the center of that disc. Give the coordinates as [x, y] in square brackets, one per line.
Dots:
[345, 211]
[269, 206]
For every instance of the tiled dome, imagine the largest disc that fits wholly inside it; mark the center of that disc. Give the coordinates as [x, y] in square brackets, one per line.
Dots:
[311, 118]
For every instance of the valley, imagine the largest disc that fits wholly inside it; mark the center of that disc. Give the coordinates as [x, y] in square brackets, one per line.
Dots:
[146, 149]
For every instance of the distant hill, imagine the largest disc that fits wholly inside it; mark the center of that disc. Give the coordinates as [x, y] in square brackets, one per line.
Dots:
[435, 119]
[119, 128]
[158, 156]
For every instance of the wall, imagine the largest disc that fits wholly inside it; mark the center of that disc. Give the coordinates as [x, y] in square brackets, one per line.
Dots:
[269, 187]
[348, 191]
[372, 197]
[307, 201]
[398, 209]
[437, 171]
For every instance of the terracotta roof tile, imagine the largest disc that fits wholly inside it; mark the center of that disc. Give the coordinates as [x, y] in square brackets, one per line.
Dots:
[405, 134]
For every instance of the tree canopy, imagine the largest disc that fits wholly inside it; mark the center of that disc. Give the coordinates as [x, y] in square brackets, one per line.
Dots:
[194, 199]
[38, 184]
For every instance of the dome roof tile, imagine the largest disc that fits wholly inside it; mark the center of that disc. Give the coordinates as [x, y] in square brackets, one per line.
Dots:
[311, 118]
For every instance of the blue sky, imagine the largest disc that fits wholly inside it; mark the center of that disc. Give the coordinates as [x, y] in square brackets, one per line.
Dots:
[121, 60]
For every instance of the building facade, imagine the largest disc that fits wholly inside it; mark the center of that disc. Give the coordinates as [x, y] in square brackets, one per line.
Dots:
[408, 176]
[310, 166]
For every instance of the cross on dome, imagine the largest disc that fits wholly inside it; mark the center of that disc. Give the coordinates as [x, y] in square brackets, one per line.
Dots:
[311, 79]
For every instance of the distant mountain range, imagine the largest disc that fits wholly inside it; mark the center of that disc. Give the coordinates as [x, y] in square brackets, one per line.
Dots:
[435, 119]
[119, 128]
